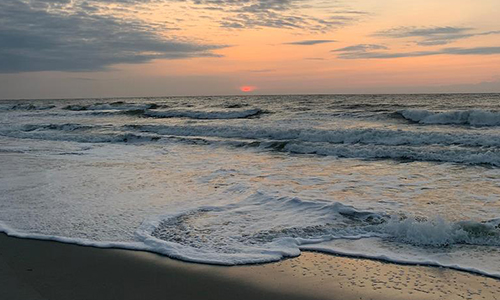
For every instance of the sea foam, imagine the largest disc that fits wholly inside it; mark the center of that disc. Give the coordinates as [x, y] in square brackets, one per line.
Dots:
[264, 228]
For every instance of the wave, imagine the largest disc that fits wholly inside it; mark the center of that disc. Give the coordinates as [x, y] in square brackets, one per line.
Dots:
[474, 117]
[189, 114]
[405, 153]
[338, 136]
[348, 143]
[207, 115]
[235, 105]
[78, 133]
[440, 233]
[119, 105]
[61, 127]
[27, 106]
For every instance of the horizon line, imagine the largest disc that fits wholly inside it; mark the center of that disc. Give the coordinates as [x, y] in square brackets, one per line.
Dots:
[250, 95]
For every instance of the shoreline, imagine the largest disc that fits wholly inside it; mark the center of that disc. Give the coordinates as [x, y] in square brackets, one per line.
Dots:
[37, 269]
[9, 232]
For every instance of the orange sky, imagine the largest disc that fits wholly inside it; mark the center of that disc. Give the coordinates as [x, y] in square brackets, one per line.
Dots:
[425, 45]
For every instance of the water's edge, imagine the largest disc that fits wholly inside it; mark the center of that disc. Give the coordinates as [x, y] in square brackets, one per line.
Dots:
[139, 246]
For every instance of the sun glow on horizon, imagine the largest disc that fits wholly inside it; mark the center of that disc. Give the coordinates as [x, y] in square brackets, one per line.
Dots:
[247, 88]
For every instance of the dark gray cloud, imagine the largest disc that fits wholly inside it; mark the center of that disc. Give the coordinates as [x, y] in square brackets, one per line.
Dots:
[286, 14]
[432, 36]
[56, 35]
[310, 42]
[364, 54]
[245, 14]
[361, 48]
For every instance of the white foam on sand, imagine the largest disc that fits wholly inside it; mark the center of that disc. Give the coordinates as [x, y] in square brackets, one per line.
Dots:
[264, 229]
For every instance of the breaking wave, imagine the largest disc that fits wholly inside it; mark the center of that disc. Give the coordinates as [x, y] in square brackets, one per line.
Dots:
[440, 233]
[348, 143]
[473, 117]
[352, 143]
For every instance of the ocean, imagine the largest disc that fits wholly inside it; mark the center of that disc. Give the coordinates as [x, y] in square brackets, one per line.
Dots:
[410, 179]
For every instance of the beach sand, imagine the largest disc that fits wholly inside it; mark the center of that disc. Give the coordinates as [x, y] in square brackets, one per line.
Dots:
[32, 269]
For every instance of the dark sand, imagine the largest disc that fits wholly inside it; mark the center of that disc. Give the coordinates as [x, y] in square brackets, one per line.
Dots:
[31, 269]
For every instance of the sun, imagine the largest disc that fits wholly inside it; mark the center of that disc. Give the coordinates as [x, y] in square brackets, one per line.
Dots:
[247, 88]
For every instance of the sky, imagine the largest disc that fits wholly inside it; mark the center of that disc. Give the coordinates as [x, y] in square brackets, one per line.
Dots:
[134, 48]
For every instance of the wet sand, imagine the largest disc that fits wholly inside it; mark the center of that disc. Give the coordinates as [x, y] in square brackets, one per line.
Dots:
[32, 269]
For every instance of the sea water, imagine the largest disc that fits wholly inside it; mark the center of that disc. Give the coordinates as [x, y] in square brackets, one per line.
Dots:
[238, 180]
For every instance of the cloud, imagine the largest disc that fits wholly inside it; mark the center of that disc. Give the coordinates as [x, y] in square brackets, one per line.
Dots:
[432, 36]
[310, 42]
[361, 48]
[256, 14]
[59, 35]
[284, 14]
[363, 54]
